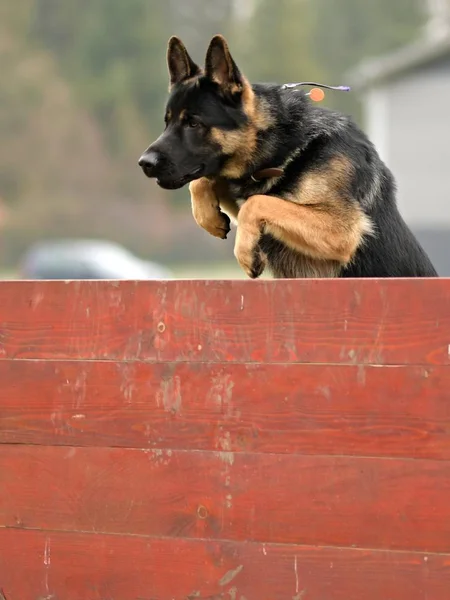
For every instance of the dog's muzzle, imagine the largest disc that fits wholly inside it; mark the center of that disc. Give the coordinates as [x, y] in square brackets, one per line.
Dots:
[149, 163]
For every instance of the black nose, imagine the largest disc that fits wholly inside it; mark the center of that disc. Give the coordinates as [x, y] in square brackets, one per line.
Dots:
[149, 162]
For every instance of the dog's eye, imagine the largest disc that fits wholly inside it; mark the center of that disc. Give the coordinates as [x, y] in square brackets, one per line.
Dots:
[192, 123]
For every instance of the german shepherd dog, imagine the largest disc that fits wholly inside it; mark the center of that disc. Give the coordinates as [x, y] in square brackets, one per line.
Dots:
[307, 189]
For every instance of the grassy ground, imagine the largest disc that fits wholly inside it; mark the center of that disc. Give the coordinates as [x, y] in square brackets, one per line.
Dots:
[8, 275]
[228, 270]
[213, 271]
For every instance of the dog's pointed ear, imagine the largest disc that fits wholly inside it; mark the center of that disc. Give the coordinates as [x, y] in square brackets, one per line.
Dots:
[180, 64]
[220, 66]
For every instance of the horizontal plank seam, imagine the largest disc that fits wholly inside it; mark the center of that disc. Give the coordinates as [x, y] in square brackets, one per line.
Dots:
[222, 362]
[224, 453]
[222, 540]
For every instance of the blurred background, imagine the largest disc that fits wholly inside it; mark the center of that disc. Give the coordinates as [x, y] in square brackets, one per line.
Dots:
[83, 90]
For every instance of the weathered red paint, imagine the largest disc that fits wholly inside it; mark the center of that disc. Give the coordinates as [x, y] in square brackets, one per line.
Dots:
[225, 440]
[308, 409]
[341, 322]
[315, 500]
[73, 566]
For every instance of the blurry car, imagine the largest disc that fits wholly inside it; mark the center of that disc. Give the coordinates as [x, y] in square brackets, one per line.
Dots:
[87, 259]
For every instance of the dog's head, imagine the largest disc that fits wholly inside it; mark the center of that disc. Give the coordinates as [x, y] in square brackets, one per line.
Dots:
[212, 119]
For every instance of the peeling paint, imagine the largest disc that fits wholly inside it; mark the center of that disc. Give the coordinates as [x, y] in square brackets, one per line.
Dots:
[221, 393]
[169, 395]
[58, 422]
[226, 457]
[47, 558]
[230, 576]
[79, 390]
[325, 391]
[224, 442]
[36, 300]
[115, 298]
[159, 457]
[70, 453]
[361, 376]
[47, 562]
[127, 387]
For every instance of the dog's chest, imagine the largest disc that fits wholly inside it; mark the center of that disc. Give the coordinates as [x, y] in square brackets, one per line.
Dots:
[286, 263]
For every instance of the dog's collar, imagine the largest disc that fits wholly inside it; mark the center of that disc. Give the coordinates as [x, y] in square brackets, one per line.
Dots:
[267, 174]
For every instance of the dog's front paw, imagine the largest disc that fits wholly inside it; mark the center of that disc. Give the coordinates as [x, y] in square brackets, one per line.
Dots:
[215, 222]
[206, 209]
[250, 257]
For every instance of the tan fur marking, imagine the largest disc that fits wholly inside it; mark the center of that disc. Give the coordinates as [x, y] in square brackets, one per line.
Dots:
[208, 197]
[338, 224]
[241, 144]
[227, 203]
[325, 186]
[318, 222]
[323, 235]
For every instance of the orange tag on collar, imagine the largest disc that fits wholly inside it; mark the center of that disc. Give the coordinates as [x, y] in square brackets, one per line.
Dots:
[317, 95]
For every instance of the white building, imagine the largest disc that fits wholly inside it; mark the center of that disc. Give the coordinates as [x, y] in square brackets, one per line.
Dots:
[406, 100]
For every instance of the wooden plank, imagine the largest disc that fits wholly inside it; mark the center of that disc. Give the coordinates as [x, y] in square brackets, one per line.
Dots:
[320, 321]
[329, 501]
[88, 567]
[309, 409]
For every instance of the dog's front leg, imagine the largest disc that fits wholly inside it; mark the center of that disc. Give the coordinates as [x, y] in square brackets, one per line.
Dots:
[207, 197]
[324, 231]
[246, 249]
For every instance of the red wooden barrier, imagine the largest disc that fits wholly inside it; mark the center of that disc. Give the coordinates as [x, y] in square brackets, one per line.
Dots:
[225, 440]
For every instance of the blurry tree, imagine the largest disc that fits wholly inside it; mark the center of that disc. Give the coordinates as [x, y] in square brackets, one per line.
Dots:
[348, 31]
[276, 42]
[304, 39]
[38, 118]
[113, 52]
[197, 21]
